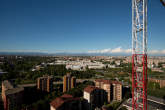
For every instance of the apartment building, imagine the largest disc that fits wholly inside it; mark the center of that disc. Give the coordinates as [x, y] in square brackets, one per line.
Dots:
[94, 97]
[68, 82]
[117, 91]
[113, 89]
[12, 95]
[45, 83]
[106, 85]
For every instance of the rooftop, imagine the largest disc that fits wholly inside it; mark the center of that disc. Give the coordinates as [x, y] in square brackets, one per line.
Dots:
[59, 101]
[89, 89]
[8, 85]
[65, 96]
[14, 90]
[45, 76]
[11, 88]
[108, 81]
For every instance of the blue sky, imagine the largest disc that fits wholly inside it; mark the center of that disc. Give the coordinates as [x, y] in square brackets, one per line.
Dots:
[75, 25]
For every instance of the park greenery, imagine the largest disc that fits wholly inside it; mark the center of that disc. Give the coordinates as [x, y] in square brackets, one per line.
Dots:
[153, 89]
[21, 70]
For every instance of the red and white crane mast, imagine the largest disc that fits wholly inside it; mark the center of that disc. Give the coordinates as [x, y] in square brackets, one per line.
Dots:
[139, 54]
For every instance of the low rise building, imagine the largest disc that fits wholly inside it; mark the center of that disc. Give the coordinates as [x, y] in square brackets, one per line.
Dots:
[157, 70]
[163, 65]
[160, 81]
[154, 61]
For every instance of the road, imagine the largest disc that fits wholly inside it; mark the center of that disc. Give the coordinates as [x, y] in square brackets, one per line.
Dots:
[153, 103]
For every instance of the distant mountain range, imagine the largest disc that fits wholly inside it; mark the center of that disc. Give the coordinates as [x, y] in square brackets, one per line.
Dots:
[58, 54]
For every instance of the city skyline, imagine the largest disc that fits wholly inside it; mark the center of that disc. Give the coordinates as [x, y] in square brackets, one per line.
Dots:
[76, 26]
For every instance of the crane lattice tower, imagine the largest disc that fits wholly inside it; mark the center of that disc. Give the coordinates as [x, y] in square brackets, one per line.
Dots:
[139, 54]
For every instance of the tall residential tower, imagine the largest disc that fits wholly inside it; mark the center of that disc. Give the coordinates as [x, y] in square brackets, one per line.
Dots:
[68, 82]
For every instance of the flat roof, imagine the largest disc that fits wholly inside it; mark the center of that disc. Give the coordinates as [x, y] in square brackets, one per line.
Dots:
[15, 90]
[8, 84]
[11, 88]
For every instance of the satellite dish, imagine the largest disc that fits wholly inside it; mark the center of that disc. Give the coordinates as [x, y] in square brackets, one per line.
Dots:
[163, 2]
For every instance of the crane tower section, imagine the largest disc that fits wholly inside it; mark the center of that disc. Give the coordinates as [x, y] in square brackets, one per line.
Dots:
[139, 54]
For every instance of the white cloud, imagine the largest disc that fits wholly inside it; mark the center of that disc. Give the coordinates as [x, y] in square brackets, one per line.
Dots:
[115, 50]
[153, 52]
[161, 52]
[128, 50]
[125, 51]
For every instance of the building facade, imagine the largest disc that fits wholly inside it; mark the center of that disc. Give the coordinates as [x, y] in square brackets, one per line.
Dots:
[113, 89]
[106, 85]
[12, 95]
[94, 97]
[73, 82]
[68, 82]
[117, 91]
[45, 83]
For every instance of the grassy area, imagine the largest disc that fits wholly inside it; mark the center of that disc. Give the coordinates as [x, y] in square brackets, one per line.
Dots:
[155, 90]
[24, 81]
[157, 93]
[27, 81]
[113, 105]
